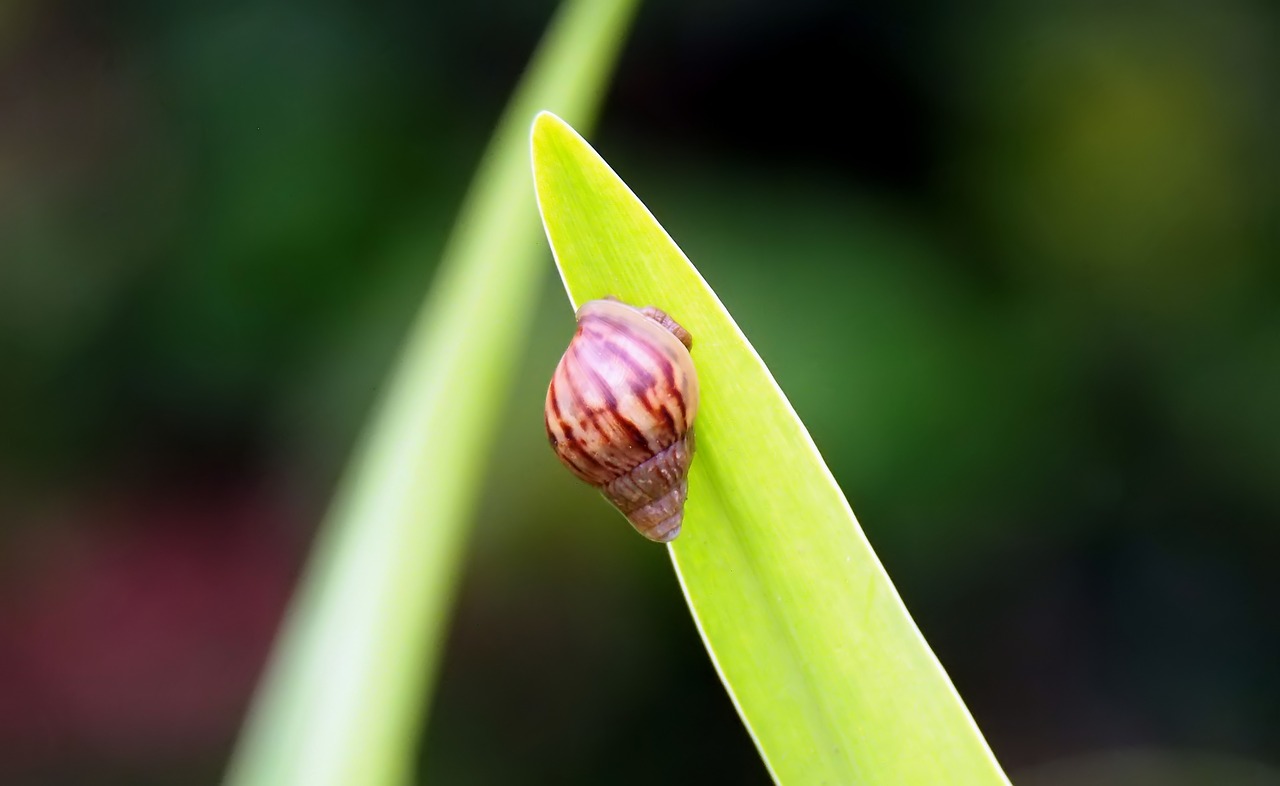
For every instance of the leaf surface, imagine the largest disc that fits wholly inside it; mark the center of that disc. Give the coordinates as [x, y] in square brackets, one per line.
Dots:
[821, 658]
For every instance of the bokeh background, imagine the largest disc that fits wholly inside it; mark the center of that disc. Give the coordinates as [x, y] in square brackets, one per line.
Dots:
[1014, 264]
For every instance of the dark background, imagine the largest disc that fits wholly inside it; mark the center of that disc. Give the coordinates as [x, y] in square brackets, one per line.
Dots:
[1013, 263]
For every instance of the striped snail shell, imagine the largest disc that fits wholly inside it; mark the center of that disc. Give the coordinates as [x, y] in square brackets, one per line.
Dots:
[620, 411]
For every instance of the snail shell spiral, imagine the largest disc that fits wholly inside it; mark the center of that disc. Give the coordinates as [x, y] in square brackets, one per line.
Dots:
[620, 411]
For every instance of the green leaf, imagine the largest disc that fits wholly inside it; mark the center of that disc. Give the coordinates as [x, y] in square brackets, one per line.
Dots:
[821, 658]
[342, 699]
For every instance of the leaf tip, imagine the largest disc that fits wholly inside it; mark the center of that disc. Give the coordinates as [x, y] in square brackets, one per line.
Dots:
[544, 122]
[551, 133]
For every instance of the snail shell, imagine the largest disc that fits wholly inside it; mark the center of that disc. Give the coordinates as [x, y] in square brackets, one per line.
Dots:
[620, 411]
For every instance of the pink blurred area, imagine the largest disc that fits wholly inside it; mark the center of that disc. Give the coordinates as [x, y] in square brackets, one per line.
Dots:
[135, 625]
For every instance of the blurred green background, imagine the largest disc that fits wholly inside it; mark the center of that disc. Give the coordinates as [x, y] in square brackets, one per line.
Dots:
[1014, 264]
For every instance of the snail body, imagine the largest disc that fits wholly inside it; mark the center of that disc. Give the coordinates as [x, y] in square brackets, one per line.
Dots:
[620, 411]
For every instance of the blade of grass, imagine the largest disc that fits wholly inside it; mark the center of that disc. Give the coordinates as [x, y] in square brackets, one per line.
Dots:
[341, 701]
[821, 658]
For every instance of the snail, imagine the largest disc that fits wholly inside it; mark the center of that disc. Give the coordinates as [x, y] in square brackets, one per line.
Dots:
[620, 410]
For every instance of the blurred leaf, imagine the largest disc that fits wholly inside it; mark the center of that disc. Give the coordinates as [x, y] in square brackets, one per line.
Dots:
[827, 669]
[341, 702]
